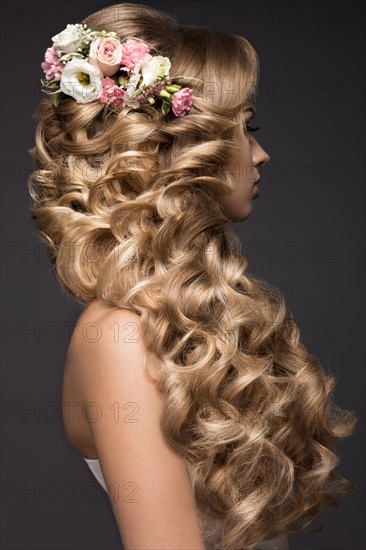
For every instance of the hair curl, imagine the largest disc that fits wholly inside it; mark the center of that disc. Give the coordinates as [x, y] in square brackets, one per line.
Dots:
[127, 204]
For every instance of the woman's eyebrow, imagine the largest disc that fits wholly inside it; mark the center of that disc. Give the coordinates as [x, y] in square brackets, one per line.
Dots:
[251, 109]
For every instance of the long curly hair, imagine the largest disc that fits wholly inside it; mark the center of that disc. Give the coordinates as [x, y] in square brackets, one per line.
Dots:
[128, 205]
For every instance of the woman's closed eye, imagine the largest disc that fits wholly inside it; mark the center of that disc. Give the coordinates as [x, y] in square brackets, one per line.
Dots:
[250, 129]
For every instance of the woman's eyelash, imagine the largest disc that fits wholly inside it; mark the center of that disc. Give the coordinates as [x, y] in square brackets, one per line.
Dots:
[252, 129]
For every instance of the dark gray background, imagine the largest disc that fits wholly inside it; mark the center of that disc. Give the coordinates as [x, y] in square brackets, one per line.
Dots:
[306, 235]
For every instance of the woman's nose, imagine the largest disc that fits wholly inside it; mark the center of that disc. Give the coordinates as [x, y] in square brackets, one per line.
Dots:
[260, 156]
[266, 157]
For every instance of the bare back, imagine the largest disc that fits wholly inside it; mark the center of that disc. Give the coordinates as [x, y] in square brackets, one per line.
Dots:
[76, 426]
[104, 374]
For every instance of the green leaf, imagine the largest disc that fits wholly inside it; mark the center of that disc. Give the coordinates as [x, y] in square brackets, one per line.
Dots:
[56, 98]
[165, 107]
[69, 56]
[173, 88]
[51, 83]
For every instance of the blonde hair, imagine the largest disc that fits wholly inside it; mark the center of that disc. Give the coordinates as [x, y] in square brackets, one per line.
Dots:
[128, 206]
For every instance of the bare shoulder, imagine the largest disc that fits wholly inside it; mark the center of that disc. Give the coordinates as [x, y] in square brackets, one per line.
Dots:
[97, 314]
[149, 484]
[106, 342]
[104, 329]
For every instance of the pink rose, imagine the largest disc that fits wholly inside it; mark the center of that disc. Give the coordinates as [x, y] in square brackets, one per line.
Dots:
[51, 67]
[182, 101]
[112, 94]
[105, 54]
[134, 53]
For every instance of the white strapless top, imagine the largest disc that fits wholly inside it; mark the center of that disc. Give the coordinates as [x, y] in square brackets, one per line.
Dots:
[279, 543]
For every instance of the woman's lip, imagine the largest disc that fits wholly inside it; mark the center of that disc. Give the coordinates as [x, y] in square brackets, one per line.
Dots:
[258, 192]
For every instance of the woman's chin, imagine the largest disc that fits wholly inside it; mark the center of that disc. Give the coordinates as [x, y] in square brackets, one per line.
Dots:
[238, 210]
[242, 216]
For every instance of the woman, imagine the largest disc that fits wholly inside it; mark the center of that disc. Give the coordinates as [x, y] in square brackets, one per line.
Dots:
[200, 411]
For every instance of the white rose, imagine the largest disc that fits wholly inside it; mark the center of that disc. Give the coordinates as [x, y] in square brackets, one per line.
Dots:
[153, 68]
[81, 81]
[68, 40]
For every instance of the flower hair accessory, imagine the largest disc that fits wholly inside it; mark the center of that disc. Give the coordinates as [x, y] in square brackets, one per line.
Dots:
[95, 65]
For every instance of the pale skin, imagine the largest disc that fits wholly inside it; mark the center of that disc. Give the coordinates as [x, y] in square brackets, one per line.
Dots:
[149, 484]
[244, 165]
